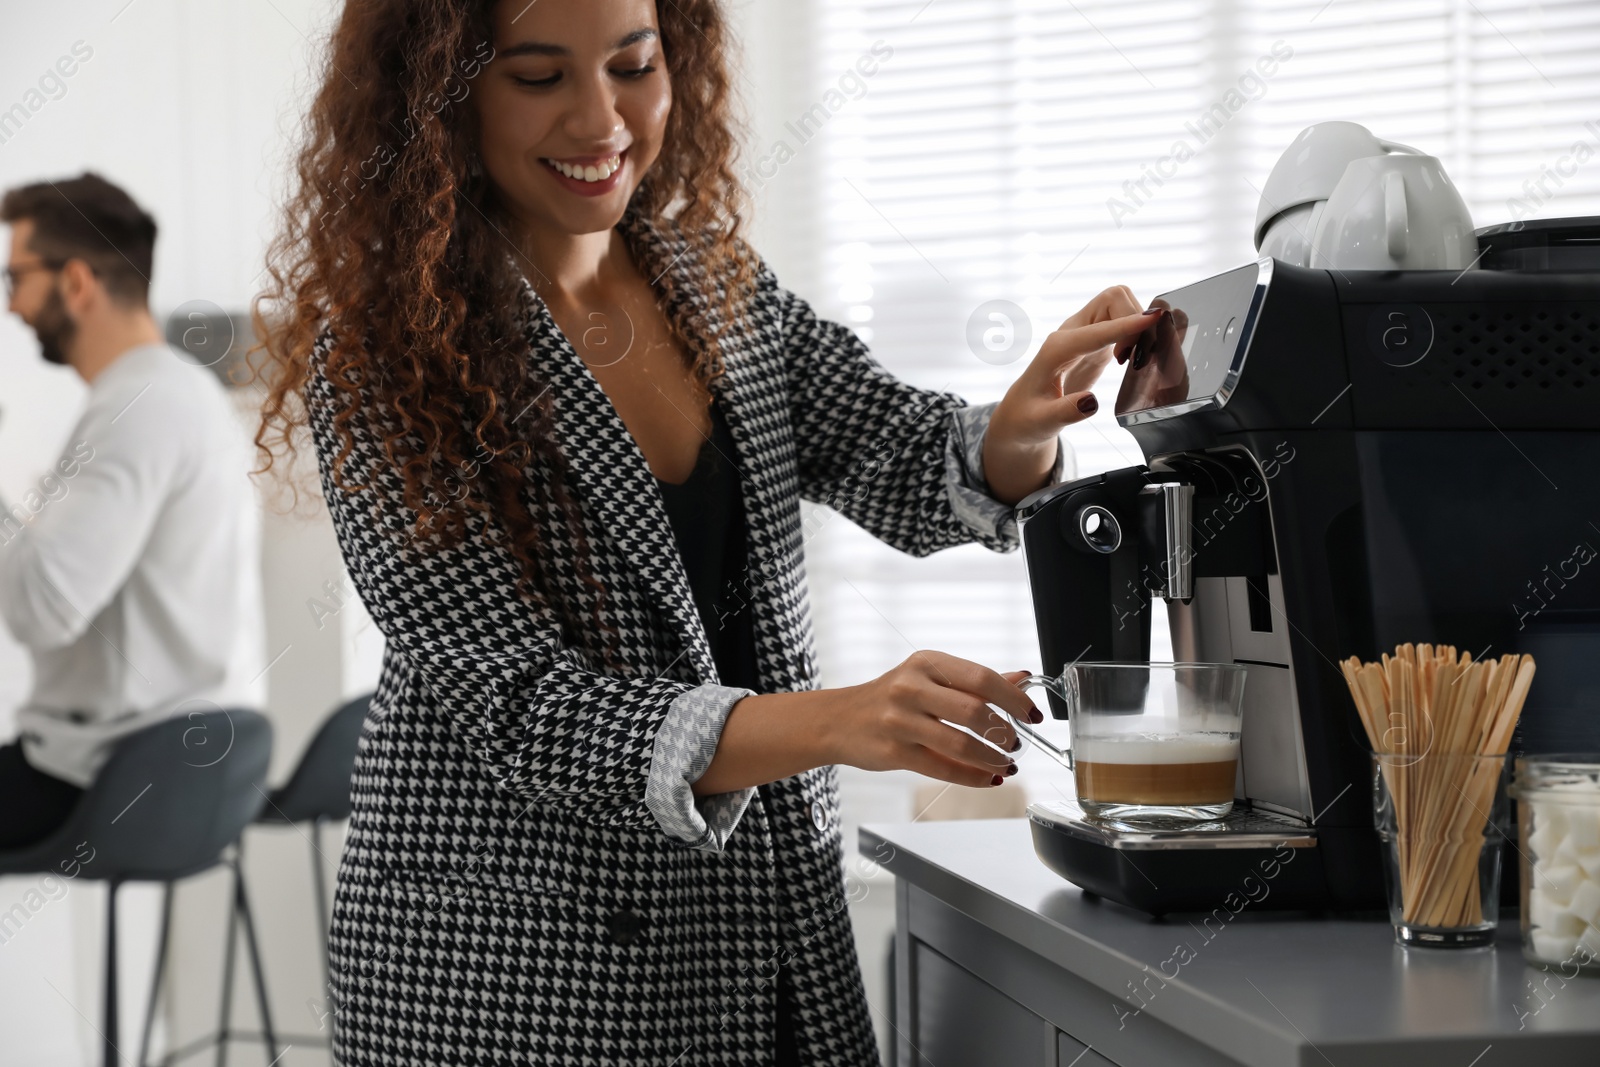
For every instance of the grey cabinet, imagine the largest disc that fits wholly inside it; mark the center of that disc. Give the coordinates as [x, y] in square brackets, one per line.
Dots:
[961, 1019]
[968, 998]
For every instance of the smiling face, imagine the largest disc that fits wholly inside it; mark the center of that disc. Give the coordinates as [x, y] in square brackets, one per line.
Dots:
[572, 110]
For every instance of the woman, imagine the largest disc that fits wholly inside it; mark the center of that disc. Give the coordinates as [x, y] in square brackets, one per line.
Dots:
[564, 418]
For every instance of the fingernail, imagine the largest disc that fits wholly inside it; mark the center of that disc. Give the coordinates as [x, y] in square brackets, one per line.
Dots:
[1011, 768]
[1140, 358]
[1018, 746]
[1088, 404]
[1152, 311]
[996, 780]
[1120, 353]
[1036, 715]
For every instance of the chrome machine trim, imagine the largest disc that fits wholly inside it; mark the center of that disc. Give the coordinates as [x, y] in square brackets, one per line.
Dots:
[1177, 506]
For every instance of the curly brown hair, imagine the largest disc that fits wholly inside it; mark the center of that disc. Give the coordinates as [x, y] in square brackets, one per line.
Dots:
[391, 269]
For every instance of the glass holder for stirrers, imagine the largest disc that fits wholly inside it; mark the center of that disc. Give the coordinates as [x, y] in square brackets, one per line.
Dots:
[1439, 725]
[1441, 860]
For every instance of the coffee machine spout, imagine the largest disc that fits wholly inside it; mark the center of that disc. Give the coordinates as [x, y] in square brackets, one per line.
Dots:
[1165, 510]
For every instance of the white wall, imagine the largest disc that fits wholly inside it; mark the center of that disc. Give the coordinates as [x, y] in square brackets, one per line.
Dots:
[185, 103]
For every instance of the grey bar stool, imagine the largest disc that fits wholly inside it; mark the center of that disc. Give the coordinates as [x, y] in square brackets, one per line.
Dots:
[166, 805]
[318, 792]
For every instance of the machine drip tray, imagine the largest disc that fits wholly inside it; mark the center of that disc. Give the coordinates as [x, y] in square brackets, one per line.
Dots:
[1252, 859]
[1240, 828]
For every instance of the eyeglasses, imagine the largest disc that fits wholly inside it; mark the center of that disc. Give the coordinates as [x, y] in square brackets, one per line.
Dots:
[13, 273]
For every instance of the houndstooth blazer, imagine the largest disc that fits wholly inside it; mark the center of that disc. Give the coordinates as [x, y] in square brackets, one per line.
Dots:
[527, 876]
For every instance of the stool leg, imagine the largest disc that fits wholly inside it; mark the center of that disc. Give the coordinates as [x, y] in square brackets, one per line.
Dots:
[109, 1024]
[226, 1011]
[155, 982]
[320, 887]
[255, 962]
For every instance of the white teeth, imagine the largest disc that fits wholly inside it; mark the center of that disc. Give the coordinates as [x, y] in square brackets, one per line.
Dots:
[589, 173]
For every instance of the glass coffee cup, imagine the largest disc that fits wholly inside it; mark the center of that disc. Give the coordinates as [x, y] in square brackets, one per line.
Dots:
[1148, 741]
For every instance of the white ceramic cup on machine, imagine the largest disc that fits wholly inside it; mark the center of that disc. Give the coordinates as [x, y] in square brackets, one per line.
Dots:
[1305, 176]
[1398, 211]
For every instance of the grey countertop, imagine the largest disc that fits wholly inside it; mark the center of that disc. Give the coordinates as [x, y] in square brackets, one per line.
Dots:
[1263, 988]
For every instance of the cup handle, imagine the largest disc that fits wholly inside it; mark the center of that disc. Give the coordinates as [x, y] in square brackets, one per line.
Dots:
[1396, 224]
[1062, 756]
[1396, 146]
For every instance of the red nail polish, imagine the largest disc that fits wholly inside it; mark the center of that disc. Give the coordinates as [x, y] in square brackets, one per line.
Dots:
[996, 780]
[1152, 311]
[1036, 715]
[1088, 404]
[1011, 768]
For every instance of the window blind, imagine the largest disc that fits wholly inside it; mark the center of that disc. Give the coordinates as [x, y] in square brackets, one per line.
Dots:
[1037, 151]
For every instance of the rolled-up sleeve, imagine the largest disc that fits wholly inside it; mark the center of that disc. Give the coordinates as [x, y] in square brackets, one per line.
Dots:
[970, 496]
[684, 746]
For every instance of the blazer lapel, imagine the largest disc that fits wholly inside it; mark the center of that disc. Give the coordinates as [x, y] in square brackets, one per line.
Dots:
[618, 489]
[758, 422]
[752, 395]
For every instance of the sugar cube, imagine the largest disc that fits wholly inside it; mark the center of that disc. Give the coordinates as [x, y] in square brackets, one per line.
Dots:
[1552, 947]
[1590, 865]
[1557, 881]
[1552, 915]
[1585, 903]
[1566, 851]
[1583, 830]
[1549, 826]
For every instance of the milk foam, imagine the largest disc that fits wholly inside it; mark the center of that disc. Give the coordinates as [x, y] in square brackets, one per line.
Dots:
[1157, 748]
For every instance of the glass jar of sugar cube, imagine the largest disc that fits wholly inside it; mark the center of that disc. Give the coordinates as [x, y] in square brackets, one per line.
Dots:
[1558, 802]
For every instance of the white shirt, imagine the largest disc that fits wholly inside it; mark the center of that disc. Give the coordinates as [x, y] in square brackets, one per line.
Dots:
[131, 572]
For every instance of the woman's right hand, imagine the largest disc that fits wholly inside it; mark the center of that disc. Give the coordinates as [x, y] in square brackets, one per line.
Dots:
[902, 720]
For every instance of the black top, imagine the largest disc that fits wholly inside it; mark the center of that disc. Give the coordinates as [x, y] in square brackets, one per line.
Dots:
[707, 515]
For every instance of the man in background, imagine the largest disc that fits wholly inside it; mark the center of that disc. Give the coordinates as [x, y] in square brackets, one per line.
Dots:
[130, 573]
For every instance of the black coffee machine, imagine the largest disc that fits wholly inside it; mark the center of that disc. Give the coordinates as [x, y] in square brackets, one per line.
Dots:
[1337, 462]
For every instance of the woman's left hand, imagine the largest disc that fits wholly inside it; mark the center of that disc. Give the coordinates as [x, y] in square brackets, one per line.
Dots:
[1053, 392]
